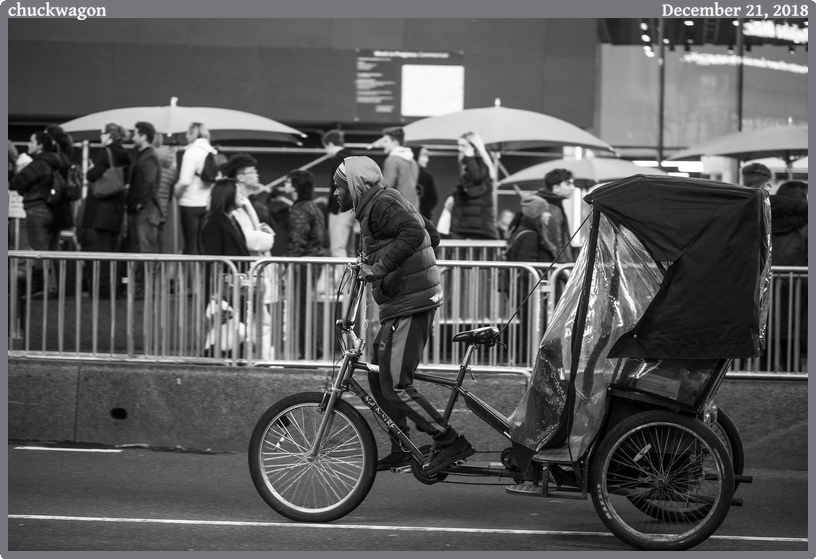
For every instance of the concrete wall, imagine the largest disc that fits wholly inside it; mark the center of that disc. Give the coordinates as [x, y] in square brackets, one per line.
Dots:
[215, 408]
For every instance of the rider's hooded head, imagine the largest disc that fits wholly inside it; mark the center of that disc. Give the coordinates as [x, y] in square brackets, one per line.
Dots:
[358, 174]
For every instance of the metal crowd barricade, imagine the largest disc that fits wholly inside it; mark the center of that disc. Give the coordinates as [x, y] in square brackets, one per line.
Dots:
[472, 251]
[125, 307]
[786, 334]
[296, 302]
[282, 311]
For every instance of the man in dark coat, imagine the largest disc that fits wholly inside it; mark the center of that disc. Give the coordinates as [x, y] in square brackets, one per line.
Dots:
[399, 260]
[142, 199]
[144, 214]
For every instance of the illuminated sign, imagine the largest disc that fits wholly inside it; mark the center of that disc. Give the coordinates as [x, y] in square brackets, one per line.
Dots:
[703, 59]
[771, 30]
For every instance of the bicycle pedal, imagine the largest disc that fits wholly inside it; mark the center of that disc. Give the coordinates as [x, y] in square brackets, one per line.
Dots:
[401, 470]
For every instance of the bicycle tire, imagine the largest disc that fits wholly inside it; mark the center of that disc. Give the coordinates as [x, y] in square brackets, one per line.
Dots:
[661, 481]
[322, 490]
[728, 433]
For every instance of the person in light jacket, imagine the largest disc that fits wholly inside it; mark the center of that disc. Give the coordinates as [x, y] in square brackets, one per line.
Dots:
[190, 190]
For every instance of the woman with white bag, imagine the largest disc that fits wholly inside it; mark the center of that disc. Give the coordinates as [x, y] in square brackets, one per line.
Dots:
[221, 235]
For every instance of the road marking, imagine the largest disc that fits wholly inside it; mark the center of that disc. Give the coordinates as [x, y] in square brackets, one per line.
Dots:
[362, 527]
[68, 449]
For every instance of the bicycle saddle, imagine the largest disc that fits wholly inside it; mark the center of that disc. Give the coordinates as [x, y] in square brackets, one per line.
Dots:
[477, 336]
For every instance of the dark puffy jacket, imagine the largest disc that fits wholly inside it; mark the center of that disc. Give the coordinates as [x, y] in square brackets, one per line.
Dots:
[307, 229]
[399, 243]
[473, 215]
[37, 177]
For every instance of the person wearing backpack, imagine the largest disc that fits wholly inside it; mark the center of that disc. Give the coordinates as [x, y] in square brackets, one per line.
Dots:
[33, 183]
[64, 146]
[528, 241]
[194, 184]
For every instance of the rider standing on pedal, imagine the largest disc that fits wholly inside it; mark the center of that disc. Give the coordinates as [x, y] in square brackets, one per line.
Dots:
[398, 257]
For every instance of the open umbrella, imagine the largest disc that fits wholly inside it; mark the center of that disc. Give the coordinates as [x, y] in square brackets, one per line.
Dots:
[788, 143]
[173, 120]
[501, 129]
[591, 169]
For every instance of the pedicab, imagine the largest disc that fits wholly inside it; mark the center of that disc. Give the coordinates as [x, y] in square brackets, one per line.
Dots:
[670, 286]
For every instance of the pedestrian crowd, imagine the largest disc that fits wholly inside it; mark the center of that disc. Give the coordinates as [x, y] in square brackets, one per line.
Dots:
[225, 209]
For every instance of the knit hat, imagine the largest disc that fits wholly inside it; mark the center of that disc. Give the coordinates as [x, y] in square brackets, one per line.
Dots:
[360, 174]
[340, 173]
[534, 206]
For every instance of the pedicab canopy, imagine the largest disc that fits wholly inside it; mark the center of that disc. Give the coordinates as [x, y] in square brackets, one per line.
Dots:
[673, 278]
[712, 239]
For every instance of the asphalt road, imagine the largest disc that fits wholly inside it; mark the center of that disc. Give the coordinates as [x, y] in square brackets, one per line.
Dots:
[146, 500]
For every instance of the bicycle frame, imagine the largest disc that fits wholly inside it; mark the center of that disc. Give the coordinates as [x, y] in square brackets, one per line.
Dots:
[344, 382]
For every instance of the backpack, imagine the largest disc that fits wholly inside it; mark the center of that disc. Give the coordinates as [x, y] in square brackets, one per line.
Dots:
[510, 251]
[64, 190]
[57, 195]
[210, 170]
[510, 255]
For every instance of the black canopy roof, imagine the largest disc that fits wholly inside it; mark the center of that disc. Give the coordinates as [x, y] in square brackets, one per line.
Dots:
[713, 236]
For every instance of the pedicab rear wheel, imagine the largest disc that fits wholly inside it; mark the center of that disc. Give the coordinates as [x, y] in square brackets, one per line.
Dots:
[319, 489]
[661, 481]
[727, 432]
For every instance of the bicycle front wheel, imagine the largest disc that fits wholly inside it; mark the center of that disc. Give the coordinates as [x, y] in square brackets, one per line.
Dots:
[324, 488]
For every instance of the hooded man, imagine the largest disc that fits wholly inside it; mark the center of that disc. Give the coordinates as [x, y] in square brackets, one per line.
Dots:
[398, 258]
[400, 171]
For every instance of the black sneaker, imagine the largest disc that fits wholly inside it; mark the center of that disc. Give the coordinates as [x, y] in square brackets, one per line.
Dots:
[447, 455]
[394, 460]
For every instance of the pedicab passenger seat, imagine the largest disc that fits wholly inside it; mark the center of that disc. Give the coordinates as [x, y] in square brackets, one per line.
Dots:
[479, 336]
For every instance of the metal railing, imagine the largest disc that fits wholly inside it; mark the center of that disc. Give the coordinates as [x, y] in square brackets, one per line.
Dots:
[281, 311]
[268, 312]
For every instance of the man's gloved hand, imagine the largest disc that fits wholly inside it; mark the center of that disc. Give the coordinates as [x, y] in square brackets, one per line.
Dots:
[366, 273]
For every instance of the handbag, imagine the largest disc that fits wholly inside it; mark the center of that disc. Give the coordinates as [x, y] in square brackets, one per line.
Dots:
[111, 183]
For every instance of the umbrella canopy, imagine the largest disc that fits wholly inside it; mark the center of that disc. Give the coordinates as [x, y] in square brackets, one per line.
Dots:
[173, 120]
[593, 169]
[712, 235]
[784, 142]
[501, 129]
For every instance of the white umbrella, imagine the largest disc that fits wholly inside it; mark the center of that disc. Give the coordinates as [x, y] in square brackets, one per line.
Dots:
[594, 169]
[501, 129]
[173, 120]
[787, 143]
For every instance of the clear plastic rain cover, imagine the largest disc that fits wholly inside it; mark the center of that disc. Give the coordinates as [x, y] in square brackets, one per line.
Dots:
[624, 281]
